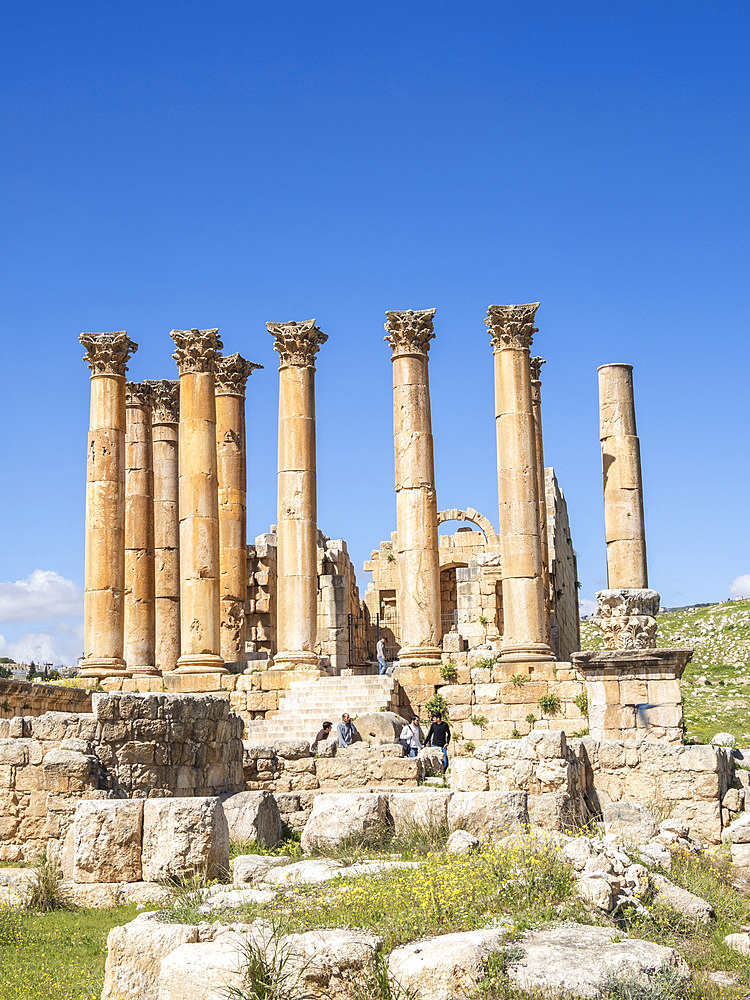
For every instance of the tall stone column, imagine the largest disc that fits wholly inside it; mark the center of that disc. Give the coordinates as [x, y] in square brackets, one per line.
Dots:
[297, 526]
[621, 469]
[166, 410]
[140, 620]
[525, 634]
[409, 334]
[107, 355]
[195, 354]
[535, 365]
[231, 377]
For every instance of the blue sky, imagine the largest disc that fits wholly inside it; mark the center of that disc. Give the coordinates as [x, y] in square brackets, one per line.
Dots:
[174, 165]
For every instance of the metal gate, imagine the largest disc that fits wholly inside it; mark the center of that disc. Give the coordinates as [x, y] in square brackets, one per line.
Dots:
[364, 634]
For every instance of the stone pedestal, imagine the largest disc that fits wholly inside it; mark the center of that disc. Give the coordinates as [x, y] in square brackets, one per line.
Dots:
[140, 621]
[195, 354]
[166, 409]
[621, 470]
[417, 560]
[536, 406]
[231, 377]
[525, 631]
[107, 355]
[297, 528]
[634, 694]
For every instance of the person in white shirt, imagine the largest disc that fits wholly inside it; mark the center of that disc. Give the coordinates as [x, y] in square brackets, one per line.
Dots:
[411, 737]
[380, 653]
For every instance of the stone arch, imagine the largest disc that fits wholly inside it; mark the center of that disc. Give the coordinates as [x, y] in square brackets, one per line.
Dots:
[473, 516]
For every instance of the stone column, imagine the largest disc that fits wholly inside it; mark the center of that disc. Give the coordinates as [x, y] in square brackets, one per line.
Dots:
[621, 469]
[195, 355]
[166, 410]
[409, 334]
[535, 365]
[231, 377]
[525, 634]
[297, 527]
[140, 621]
[107, 355]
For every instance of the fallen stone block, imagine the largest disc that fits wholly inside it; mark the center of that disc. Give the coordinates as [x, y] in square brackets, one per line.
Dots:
[461, 842]
[253, 817]
[107, 838]
[631, 822]
[686, 903]
[490, 816]
[424, 811]
[338, 816]
[444, 967]
[250, 868]
[183, 837]
[134, 955]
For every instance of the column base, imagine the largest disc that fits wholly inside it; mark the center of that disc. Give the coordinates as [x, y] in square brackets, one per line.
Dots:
[200, 663]
[144, 671]
[103, 666]
[521, 653]
[296, 659]
[419, 654]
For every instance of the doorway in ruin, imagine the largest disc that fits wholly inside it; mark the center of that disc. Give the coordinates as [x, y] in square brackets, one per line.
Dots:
[448, 600]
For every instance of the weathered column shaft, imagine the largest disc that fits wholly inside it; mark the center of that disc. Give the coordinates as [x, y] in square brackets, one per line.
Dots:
[103, 604]
[166, 521]
[199, 504]
[230, 378]
[140, 620]
[525, 632]
[297, 527]
[623, 491]
[409, 334]
[536, 406]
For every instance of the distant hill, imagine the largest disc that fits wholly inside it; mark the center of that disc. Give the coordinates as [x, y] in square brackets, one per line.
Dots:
[716, 683]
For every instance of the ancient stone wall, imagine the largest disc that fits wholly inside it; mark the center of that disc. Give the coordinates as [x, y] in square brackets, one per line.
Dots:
[563, 570]
[130, 746]
[25, 698]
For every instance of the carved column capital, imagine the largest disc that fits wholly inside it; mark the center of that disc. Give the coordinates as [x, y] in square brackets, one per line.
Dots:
[108, 353]
[536, 368]
[196, 350]
[512, 326]
[166, 400]
[138, 394]
[231, 375]
[297, 343]
[627, 617]
[410, 331]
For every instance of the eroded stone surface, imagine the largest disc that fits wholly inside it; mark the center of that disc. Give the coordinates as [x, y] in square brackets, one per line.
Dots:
[184, 837]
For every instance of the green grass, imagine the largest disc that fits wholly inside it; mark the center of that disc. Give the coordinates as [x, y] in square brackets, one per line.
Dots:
[56, 955]
[716, 683]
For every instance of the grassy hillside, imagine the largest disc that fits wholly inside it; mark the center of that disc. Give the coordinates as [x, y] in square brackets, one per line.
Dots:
[716, 683]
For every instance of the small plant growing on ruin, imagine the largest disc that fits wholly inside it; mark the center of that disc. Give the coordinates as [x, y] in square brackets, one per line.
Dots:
[482, 620]
[581, 701]
[486, 663]
[531, 718]
[268, 973]
[518, 680]
[45, 891]
[437, 703]
[549, 704]
[580, 733]
[479, 720]
[448, 671]
[378, 983]
[469, 746]
[391, 557]
[515, 734]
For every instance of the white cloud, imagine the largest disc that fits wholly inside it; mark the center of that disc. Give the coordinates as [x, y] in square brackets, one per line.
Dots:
[43, 595]
[62, 645]
[586, 607]
[740, 586]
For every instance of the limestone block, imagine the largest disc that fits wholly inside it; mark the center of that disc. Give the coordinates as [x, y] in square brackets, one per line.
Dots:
[741, 855]
[204, 970]
[250, 868]
[292, 749]
[380, 727]
[68, 771]
[329, 962]
[338, 816]
[461, 842]
[633, 822]
[444, 967]
[457, 694]
[107, 836]
[686, 903]
[422, 810]
[253, 816]
[183, 837]
[469, 775]
[489, 815]
[134, 955]
[597, 891]
[738, 832]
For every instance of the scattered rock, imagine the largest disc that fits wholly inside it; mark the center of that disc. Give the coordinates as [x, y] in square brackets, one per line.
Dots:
[184, 836]
[222, 897]
[338, 816]
[489, 815]
[461, 842]
[738, 942]
[303, 872]
[444, 967]
[631, 822]
[254, 817]
[134, 955]
[250, 868]
[737, 832]
[425, 811]
[686, 903]
[596, 890]
[578, 852]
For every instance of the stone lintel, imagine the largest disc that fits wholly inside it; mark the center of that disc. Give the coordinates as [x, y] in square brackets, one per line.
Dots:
[512, 325]
[232, 373]
[108, 353]
[638, 664]
[166, 400]
[196, 350]
[297, 342]
[410, 331]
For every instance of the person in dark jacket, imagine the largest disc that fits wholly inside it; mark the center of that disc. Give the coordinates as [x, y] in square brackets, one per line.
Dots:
[439, 735]
[322, 736]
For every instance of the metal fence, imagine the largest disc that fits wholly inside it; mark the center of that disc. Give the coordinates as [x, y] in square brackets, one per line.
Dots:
[364, 634]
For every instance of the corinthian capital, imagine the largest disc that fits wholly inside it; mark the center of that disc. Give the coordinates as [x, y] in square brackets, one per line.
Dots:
[536, 368]
[138, 394]
[166, 396]
[512, 326]
[108, 353]
[196, 350]
[410, 331]
[297, 343]
[232, 374]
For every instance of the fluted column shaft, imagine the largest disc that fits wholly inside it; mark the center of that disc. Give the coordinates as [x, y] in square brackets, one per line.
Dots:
[231, 377]
[140, 620]
[297, 527]
[418, 562]
[200, 639]
[103, 603]
[166, 522]
[623, 489]
[536, 406]
[525, 632]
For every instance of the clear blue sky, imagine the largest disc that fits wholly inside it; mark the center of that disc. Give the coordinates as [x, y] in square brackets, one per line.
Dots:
[174, 165]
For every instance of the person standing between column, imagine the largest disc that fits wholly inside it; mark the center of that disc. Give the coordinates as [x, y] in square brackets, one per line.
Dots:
[439, 735]
[380, 653]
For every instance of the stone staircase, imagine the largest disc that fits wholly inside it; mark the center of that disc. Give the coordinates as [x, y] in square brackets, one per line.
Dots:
[307, 704]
